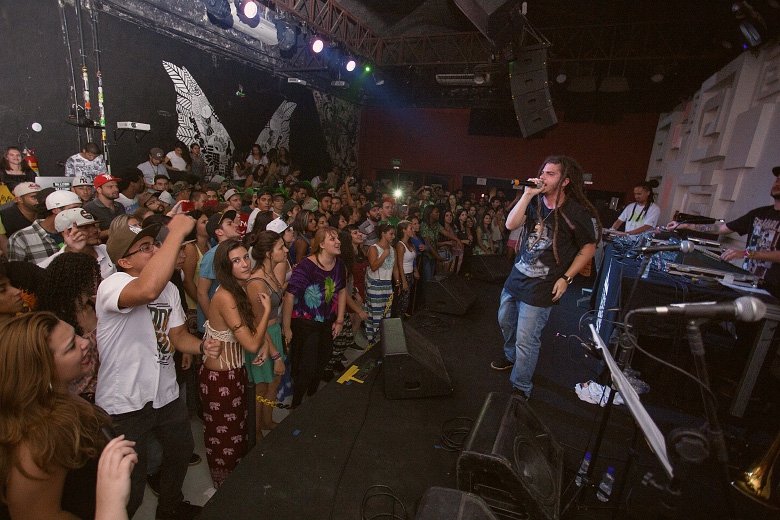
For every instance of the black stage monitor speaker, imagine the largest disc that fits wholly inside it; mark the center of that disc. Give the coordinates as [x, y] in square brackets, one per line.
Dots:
[511, 460]
[448, 294]
[492, 17]
[490, 268]
[530, 91]
[412, 365]
[452, 504]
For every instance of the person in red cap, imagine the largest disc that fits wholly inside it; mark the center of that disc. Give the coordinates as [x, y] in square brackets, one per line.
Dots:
[104, 207]
[762, 248]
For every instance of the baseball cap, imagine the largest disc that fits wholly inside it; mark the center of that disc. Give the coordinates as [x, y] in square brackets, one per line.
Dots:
[229, 193]
[776, 171]
[61, 198]
[81, 181]
[278, 225]
[310, 204]
[180, 186]
[26, 188]
[145, 197]
[120, 241]
[157, 153]
[218, 179]
[215, 221]
[104, 178]
[166, 198]
[288, 206]
[67, 218]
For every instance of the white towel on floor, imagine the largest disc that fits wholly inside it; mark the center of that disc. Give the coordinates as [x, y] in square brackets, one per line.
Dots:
[592, 392]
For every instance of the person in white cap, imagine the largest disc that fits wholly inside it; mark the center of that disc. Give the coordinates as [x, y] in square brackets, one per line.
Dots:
[41, 239]
[82, 186]
[81, 234]
[23, 213]
[104, 207]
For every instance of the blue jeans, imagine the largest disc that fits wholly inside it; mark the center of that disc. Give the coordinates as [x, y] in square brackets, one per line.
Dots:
[427, 268]
[521, 324]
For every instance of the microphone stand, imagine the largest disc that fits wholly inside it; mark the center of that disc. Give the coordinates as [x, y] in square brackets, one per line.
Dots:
[712, 426]
[623, 354]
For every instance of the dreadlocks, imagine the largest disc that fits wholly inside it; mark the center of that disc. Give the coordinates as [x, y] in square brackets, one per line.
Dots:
[571, 170]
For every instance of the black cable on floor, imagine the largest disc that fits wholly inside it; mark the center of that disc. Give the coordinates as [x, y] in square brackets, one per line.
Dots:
[388, 493]
[454, 431]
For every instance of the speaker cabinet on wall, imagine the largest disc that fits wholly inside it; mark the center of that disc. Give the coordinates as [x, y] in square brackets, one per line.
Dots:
[530, 91]
[492, 17]
[412, 365]
[448, 294]
[452, 504]
[490, 268]
[511, 460]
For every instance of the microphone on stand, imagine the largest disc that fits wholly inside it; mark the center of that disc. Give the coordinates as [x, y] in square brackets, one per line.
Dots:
[744, 308]
[530, 184]
[686, 246]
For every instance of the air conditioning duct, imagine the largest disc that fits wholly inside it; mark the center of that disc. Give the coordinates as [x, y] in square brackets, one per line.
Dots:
[464, 80]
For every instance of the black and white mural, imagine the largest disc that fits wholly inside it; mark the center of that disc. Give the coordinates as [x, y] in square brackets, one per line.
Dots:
[199, 123]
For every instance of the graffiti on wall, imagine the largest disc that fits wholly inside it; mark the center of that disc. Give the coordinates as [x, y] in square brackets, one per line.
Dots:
[341, 124]
[199, 123]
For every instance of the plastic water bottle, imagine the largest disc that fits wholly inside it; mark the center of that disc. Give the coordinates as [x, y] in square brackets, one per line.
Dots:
[605, 488]
[583, 469]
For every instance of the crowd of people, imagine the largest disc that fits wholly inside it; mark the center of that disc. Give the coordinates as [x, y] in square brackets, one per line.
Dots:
[159, 292]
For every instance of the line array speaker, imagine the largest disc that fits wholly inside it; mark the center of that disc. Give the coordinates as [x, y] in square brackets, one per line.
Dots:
[492, 17]
[530, 91]
[412, 365]
[511, 460]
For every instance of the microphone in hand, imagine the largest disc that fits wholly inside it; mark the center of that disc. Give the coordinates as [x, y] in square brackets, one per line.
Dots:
[531, 184]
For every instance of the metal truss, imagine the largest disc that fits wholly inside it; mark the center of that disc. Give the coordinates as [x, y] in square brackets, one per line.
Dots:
[615, 43]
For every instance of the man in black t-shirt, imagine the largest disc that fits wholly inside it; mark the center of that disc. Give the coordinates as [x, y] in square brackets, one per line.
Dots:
[762, 225]
[559, 239]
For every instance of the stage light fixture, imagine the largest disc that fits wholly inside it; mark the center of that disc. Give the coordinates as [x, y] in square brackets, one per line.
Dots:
[562, 76]
[367, 68]
[248, 8]
[287, 36]
[350, 64]
[751, 24]
[218, 12]
[317, 45]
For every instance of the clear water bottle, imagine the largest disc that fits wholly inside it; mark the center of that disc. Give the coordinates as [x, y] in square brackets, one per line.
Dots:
[583, 469]
[605, 488]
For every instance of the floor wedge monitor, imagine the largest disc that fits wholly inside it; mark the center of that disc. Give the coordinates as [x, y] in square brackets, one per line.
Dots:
[412, 365]
[511, 460]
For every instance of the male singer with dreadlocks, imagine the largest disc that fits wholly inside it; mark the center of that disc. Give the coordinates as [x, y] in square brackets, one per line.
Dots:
[559, 238]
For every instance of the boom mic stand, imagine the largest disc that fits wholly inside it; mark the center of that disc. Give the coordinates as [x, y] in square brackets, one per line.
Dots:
[712, 426]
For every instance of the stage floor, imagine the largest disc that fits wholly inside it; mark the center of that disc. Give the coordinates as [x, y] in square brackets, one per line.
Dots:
[324, 456]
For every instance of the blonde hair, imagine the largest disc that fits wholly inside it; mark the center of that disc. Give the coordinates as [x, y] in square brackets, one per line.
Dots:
[320, 236]
[60, 430]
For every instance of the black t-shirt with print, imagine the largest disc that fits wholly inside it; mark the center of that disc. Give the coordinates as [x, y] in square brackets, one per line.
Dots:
[762, 225]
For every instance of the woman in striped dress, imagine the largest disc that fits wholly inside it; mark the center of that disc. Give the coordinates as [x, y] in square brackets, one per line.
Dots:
[382, 271]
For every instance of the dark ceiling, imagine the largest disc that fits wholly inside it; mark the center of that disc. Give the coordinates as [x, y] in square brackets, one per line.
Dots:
[686, 40]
